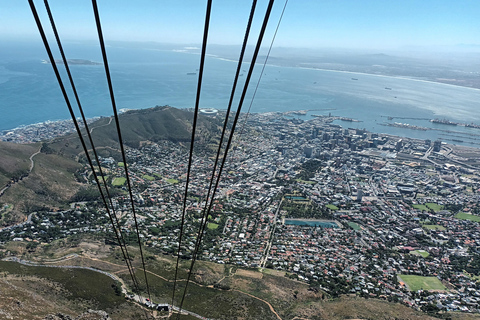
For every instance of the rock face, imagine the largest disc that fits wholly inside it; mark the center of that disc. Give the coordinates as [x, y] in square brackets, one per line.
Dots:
[88, 315]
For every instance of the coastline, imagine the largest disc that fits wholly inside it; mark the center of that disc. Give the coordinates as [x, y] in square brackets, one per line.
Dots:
[41, 131]
[384, 76]
[345, 71]
[368, 103]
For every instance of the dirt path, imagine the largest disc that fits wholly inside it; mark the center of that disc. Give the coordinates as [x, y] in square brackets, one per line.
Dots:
[114, 275]
[230, 275]
[32, 164]
[91, 129]
[165, 279]
[266, 302]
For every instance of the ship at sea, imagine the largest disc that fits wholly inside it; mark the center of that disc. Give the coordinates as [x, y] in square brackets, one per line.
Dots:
[472, 125]
[444, 121]
[348, 119]
[404, 125]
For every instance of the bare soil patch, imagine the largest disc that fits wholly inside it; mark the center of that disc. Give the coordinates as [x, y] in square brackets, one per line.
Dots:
[249, 274]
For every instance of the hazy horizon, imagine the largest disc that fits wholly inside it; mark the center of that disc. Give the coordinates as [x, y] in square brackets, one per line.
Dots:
[367, 25]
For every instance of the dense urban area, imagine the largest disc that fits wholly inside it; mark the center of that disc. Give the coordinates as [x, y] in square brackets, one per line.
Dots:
[345, 210]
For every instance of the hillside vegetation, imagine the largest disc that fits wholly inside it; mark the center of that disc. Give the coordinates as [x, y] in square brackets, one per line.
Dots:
[51, 184]
[14, 160]
[137, 127]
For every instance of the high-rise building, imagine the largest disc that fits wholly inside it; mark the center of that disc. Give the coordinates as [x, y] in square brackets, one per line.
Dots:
[437, 145]
[308, 150]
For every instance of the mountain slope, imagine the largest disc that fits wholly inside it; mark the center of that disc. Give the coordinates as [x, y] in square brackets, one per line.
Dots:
[51, 182]
[32, 180]
[137, 126]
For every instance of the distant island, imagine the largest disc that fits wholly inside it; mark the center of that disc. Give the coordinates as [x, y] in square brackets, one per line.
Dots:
[82, 62]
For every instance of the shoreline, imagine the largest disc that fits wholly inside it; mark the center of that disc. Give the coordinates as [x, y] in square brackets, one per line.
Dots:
[386, 76]
[41, 131]
[351, 72]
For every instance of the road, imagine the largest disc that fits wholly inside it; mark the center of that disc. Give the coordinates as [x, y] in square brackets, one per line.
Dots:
[137, 298]
[263, 261]
[32, 164]
[29, 219]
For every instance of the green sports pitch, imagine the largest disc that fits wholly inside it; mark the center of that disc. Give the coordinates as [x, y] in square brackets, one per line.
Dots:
[416, 283]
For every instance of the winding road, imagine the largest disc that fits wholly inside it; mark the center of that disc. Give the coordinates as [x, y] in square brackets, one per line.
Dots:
[137, 298]
[32, 164]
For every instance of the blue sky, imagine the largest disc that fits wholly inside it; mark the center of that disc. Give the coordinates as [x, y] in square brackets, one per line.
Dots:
[307, 23]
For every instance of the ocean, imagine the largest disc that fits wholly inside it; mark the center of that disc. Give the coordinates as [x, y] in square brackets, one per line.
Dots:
[144, 78]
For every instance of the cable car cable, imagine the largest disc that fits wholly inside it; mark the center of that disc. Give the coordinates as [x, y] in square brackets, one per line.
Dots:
[114, 107]
[261, 73]
[194, 126]
[55, 69]
[234, 86]
[117, 228]
[242, 98]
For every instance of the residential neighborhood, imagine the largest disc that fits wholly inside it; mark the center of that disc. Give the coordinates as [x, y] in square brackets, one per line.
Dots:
[344, 210]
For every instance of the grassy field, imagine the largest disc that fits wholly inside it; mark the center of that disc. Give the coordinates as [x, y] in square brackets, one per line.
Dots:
[119, 181]
[304, 181]
[423, 253]
[415, 283]
[420, 207]
[467, 216]
[173, 181]
[428, 206]
[433, 227]
[147, 177]
[354, 226]
[332, 207]
[212, 226]
[435, 207]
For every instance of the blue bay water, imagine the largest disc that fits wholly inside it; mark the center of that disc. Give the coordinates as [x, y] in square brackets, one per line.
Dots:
[144, 78]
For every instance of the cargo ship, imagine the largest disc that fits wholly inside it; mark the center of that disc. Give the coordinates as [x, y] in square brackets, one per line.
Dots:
[444, 121]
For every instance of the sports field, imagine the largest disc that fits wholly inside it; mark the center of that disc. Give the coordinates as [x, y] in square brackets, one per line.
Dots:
[433, 227]
[120, 181]
[423, 253]
[415, 283]
[467, 216]
[430, 205]
[354, 226]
